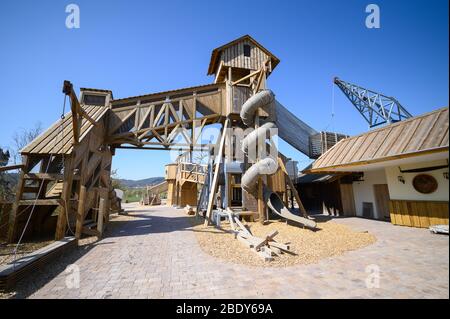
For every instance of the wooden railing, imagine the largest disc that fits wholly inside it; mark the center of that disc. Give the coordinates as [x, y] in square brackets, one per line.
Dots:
[192, 172]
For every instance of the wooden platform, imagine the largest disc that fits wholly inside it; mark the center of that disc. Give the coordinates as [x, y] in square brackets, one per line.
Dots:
[10, 274]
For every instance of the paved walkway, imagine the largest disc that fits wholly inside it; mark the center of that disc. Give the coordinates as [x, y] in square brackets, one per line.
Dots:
[155, 255]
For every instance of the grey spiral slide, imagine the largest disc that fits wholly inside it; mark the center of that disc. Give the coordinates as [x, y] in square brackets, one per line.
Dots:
[294, 131]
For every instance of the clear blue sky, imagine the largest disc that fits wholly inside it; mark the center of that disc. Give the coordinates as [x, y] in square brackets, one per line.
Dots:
[139, 47]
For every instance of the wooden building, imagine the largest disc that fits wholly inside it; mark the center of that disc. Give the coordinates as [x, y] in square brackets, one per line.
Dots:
[404, 167]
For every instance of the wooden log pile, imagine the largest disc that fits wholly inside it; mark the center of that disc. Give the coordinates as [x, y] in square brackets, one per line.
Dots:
[267, 247]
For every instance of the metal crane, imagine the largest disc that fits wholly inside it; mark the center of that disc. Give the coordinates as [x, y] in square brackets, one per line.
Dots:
[376, 108]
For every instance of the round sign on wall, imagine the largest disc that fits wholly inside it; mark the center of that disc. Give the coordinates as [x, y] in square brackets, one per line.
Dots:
[425, 184]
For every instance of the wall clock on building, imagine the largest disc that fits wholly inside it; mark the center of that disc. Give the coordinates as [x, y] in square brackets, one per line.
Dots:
[425, 184]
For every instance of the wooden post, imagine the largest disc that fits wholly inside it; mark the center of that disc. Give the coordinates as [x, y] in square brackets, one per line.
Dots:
[14, 211]
[65, 210]
[216, 174]
[293, 189]
[101, 214]
[261, 203]
[80, 212]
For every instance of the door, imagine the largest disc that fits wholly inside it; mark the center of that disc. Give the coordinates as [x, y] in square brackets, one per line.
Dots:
[347, 200]
[382, 201]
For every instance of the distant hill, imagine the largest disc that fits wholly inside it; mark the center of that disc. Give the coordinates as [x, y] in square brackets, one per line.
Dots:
[141, 182]
[11, 178]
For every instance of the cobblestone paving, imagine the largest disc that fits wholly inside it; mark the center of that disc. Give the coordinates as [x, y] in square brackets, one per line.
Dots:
[156, 255]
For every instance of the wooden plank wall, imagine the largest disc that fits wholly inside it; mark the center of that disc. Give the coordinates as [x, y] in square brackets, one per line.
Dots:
[234, 56]
[277, 181]
[418, 213]
[188, 194]
[171, 171]
[171, 193]
[240, 96]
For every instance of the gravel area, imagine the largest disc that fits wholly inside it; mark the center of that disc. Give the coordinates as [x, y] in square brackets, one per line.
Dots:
[331, 239]
[6, 250]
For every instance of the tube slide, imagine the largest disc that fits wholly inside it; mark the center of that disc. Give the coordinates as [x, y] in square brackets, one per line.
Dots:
[268, 166]
[277, 206]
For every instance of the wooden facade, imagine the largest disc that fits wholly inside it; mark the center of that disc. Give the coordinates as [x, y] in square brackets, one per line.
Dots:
[242, 53]
[421, 214]
[233, 56]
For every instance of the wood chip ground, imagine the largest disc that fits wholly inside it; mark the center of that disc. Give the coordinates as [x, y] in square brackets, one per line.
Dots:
[331, 239]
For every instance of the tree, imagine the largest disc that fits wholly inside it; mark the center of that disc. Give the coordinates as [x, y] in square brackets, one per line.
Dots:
[4, 183]
[115, 182]
[22, 139]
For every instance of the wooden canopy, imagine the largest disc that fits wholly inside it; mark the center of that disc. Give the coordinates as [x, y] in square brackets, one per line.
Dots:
[58, 138]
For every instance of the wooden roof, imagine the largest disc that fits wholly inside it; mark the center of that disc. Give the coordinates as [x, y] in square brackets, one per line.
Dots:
[215, 54]
[58, 138]
[164, 94]
[416, 136]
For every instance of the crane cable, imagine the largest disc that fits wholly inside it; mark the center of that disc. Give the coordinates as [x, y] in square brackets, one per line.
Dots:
[331, 123]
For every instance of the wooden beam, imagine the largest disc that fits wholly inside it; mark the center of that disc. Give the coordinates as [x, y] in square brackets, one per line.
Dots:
[83, 113]
[169, 148]
[65, 210]
[293, 189]
[216, 173]
[12, 222]
[41, 202]
[101, 214]
[44, 176]
[245, 77]
[80, 212]
[11, 167]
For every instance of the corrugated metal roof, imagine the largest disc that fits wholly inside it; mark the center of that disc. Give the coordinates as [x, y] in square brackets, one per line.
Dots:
[59, 137]
[421, 134]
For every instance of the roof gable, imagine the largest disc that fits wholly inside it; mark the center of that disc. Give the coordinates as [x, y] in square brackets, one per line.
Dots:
[215, 54]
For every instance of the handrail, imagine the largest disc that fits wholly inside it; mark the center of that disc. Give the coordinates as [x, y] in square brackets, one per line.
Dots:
[11, 167]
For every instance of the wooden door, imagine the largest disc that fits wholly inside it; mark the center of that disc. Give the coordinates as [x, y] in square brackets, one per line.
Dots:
[348, 200]
[382, 200]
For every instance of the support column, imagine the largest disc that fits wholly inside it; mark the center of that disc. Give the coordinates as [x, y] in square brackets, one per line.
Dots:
[12, 223]
[63, 217]
[101, 214]
[80, 212]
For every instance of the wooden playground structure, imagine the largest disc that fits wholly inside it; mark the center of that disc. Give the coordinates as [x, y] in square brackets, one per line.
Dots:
[65, 176]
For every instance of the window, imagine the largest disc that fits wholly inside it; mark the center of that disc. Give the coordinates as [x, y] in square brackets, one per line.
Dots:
[236, 196]
[247, 50]
[90, 99]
